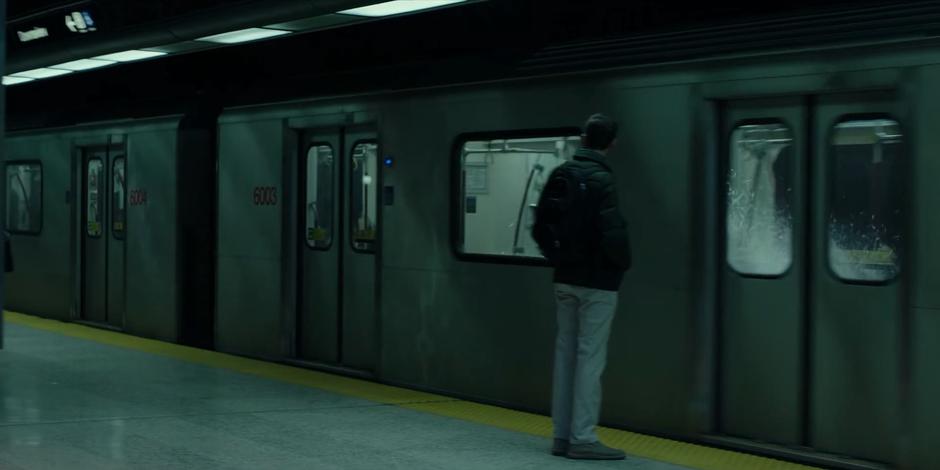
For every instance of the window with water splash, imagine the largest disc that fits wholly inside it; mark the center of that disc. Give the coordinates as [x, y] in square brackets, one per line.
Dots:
[759, 217]
[865, 215]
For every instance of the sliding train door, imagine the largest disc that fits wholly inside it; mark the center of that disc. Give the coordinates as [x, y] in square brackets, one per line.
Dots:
[338, 201]
[102, 229]
[764, 325]
[857, 298]
[811, 298]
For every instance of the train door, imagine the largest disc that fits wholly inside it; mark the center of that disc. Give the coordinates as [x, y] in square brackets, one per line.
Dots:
[102, 234]
[337, 315]
[811, 302]
[857, 296]
[764, 272]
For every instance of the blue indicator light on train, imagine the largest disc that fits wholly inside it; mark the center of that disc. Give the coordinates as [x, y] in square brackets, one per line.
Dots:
[388, 162]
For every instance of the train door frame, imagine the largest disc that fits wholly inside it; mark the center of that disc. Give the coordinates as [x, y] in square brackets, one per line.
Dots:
[344, 131]
[114, 145]
[712, 113]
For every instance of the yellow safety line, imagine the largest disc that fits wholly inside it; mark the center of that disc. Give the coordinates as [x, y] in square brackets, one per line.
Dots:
[655, 448]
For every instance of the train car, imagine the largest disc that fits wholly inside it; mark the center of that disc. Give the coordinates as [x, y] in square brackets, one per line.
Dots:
[92, 213]
[781, 214]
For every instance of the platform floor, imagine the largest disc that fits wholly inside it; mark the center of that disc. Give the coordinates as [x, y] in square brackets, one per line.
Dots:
[75, 397]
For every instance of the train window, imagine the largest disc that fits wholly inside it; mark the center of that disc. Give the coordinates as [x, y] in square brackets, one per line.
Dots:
[363, 195]
[24, 198]
[118, 198]
[759, 219]
[500, 186]
[93, 212]
[864, 220]
[319, 188]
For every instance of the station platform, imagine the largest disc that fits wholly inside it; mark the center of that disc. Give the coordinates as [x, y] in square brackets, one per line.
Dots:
[76, 397]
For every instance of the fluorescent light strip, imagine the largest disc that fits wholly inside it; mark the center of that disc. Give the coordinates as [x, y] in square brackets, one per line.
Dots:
[129, 56]
[16, 80]
[83, 64]
[398, 7]
[41, 73]
[244, 35]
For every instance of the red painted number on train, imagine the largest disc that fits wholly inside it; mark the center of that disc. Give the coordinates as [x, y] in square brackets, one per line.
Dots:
[264, 196]
[138, 197]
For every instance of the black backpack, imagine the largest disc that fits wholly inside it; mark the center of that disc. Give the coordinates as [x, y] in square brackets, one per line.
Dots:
[563, 217]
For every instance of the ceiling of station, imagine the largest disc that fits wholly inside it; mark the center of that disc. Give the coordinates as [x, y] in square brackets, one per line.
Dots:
[307, 54]
[58, 39]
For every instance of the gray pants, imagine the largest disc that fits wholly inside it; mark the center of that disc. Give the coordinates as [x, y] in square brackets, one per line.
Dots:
[584, 318]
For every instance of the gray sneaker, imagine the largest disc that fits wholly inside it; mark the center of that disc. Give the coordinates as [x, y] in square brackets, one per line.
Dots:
[560, 447]
[594, 451]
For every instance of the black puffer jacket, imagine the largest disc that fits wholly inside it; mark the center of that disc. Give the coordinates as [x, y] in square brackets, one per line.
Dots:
[608, 249]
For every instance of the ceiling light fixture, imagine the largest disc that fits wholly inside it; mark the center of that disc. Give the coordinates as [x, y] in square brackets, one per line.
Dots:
[243, 35]
[83, 64]
[41, 73]
[16, 80]
[128, 56]
[398, 7]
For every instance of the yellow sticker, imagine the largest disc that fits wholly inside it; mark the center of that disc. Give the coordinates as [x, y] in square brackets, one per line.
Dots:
[316, 234]
[882, 256]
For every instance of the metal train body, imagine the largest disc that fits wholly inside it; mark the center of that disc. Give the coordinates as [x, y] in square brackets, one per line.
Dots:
[797, 363]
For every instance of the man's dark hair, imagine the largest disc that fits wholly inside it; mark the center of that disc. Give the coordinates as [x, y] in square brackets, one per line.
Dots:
[599, 132]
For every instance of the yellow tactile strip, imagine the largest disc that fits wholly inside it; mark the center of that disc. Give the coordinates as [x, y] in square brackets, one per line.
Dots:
[664, 450]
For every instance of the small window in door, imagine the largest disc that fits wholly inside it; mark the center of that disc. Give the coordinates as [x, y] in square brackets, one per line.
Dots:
[118, 198]
[93, 212]
[319, 204]
[24, 198]
[363, 192]
[759, 199]
[865, 218]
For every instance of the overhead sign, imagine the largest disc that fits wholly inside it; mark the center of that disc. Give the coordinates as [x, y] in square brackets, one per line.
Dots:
[80, 22]
[33, 34]
[56, 26]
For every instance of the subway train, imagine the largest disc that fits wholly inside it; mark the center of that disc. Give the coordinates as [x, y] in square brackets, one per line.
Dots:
[781, 207]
